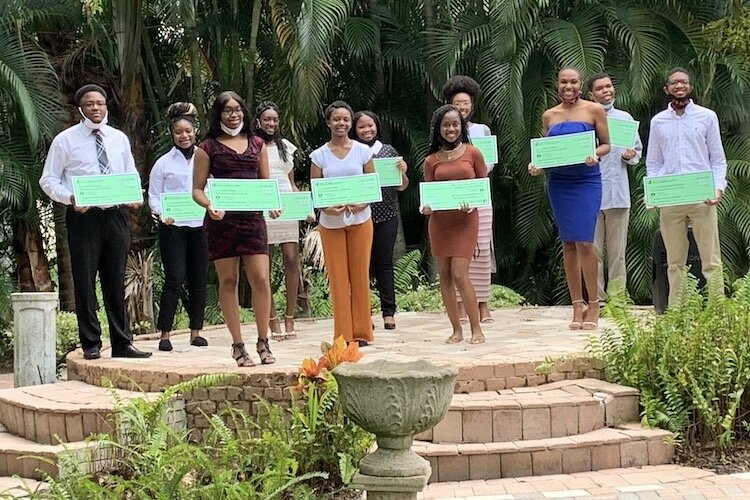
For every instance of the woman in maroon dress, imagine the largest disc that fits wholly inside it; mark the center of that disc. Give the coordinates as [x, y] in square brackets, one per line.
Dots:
[454, 233]
[230, 151]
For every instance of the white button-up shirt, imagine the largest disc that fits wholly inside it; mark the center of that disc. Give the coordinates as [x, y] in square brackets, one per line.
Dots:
[687, 143]
[172, 173]
[614, 169]
[73, 153]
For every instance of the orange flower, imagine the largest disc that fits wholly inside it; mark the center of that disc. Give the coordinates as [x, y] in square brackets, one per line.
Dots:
[312, 370]
[342, 353]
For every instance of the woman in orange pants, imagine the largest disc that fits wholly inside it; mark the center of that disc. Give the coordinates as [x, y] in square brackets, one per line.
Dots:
[346, 230]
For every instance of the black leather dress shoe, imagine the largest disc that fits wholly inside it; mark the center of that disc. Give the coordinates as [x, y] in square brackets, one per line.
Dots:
[129, 351]
[91, 353]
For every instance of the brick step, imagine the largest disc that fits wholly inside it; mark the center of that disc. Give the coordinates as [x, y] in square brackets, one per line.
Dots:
[27, 459]
[628, 445]
[559, 409]
[63, 412]
[19, 487]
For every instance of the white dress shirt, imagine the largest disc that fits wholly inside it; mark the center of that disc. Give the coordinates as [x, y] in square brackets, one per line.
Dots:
[73, 153]
[614, 169]
[481, 130]
[687, 143]
[172, 173]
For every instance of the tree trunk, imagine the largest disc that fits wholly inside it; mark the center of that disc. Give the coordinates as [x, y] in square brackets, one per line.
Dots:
[254, 25]
[65, 291]
[31, 261]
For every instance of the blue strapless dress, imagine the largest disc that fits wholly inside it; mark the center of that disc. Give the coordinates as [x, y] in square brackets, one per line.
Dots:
[575, 191]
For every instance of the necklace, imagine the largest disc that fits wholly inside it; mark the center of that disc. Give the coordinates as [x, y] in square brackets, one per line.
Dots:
[449, 153]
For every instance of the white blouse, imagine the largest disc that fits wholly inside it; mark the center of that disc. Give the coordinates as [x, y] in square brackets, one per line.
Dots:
[172, 173]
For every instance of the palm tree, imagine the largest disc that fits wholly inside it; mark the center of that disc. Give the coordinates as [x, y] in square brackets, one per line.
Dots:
[31, 114]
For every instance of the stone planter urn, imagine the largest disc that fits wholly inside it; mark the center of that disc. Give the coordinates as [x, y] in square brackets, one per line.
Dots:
[394, 400]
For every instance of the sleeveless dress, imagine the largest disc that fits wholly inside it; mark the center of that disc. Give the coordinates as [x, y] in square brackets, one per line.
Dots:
[238, 233]
[575, 191]
[281, 231]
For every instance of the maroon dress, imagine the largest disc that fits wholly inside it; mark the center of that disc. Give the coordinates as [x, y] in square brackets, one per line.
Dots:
[238, 233]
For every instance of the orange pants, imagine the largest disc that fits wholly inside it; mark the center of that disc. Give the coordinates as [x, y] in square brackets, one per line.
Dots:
[347, 255]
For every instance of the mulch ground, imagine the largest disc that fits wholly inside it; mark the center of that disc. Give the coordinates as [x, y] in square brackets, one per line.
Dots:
[737, 459]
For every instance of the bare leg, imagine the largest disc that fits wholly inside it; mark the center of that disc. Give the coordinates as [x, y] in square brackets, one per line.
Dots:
[572, 266]
[257, 270]
[484, 313]
[460, 274]
[589, 266]
[290, 255]
[273, 320]
[462, 312]
[227, 271]
[448, 292]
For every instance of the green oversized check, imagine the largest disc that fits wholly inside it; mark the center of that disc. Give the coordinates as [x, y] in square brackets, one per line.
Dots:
[451, 195]
[244, 195]
[333, 191]
[106, 190]
[295, 206]
[486, 145]
[563, 150]
[388, 171]
[681, 189]
[180, 207]
[622, 133]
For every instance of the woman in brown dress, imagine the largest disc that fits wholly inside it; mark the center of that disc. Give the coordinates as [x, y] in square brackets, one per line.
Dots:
[230, 151]
[453, 233]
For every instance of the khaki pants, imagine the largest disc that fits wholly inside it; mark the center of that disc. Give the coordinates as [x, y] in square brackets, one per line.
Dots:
[347, 257]
[612, 235]
[673, 222]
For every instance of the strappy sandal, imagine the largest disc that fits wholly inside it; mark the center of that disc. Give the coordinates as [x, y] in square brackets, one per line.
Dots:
[240, 355]
[274, 334]
[290, 334]
[266, 357]
[591, 325]
[577, 325]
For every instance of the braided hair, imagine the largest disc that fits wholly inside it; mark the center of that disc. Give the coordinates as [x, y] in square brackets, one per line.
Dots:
[276, 136]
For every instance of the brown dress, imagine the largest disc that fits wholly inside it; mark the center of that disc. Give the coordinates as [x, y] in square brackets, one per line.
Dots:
[453, 233]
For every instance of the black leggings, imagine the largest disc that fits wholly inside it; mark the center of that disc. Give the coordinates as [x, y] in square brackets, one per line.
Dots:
[184, 255]
[381, 263]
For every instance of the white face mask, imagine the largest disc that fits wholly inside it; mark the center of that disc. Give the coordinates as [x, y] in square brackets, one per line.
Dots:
[609, 106]
[232, 131]
[91, 125]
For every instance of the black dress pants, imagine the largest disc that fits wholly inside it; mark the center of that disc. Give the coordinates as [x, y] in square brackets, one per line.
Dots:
[184, 254]
[381, 263]
[99, 241]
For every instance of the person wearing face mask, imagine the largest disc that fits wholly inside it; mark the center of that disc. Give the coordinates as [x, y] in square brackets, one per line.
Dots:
[231, 151]
[575, 194]
[284, 233]
[462, 92]
[686, 138]
[184, 253]
[454, 233]
[614, 214]
[346, 231]
[366, 129]
[98, 236]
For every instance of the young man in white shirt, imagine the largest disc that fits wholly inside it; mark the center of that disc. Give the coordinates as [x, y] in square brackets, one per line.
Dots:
[686, 138]
[614, 215]
[98, 236]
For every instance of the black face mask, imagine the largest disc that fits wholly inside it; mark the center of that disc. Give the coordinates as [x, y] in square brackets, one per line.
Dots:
[449, 145]
[679, 103]
[264, 135]
[186, 152]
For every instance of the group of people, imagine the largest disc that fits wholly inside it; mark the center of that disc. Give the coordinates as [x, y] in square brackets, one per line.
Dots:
[590, 203]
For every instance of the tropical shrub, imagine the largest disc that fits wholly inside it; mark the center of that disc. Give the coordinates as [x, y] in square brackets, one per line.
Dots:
[691, 364]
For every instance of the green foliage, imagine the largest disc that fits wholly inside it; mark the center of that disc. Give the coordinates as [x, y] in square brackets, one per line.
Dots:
[407, 272]
[307, 452]
[691, 364]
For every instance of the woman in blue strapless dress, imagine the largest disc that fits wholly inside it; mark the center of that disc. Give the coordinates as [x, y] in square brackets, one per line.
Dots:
[575, 194]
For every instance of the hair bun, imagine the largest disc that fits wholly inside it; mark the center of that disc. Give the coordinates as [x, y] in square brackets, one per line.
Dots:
[179, 109]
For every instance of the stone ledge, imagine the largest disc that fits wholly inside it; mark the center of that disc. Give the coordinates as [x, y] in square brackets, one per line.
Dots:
[606, 448]
[553, 410]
